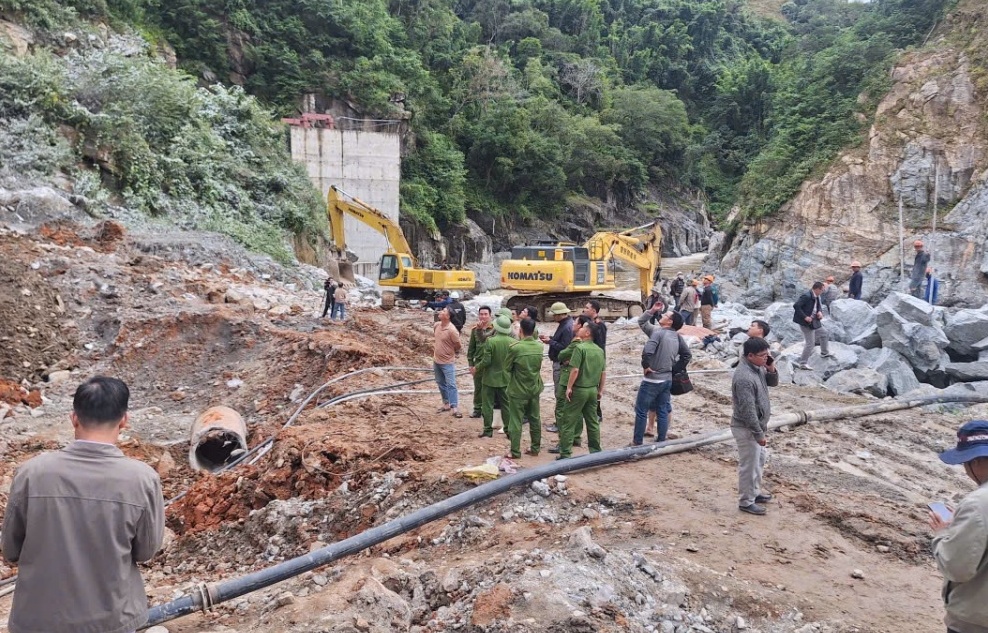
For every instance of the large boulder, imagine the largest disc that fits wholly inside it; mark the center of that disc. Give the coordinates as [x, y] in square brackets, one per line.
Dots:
[861, 381]
[843, 357]
[968, 372]
[890, 363]
[779, 318]
[905, 326]
[835, 330]
[860, 322]
[966, 330]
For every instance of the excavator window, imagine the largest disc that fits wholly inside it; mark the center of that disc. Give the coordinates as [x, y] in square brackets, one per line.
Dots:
[389, 267]
[406, 262]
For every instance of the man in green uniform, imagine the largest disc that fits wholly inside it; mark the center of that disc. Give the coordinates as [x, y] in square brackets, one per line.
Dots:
[478, 336]
[583, 390]
[563, 359]
[524, 367]
[495, 380]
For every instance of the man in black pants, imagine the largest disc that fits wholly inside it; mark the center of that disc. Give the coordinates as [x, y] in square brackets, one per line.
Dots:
[592, 310]
[330, 287]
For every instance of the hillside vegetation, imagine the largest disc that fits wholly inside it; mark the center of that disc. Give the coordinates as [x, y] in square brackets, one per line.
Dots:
[516, 105]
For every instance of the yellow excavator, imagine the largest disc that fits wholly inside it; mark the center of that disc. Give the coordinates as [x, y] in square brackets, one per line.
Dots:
[547, 272]
[399, 268]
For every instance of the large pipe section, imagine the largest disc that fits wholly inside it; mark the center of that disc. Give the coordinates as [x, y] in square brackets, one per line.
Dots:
[206, 596]
[219, 436]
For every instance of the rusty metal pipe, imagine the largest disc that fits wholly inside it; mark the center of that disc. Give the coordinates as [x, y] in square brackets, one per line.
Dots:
[219, 436]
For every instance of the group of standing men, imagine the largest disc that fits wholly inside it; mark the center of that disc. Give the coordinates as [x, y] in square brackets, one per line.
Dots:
[505, 355]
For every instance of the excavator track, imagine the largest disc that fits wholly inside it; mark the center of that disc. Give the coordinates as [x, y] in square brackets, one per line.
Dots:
[611, 307]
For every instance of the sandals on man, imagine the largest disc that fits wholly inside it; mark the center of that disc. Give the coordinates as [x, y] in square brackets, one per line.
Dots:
[456, 414]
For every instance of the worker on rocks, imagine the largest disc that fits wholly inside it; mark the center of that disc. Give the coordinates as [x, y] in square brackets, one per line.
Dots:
[492, 365]
[482, 331]
[583, 390]
[524, 367]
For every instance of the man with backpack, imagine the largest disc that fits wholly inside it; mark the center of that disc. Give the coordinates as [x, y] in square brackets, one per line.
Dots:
[664, 354]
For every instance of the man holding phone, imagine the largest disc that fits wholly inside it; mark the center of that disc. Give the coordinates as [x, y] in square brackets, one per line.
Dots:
[749, 421]
[960, 544]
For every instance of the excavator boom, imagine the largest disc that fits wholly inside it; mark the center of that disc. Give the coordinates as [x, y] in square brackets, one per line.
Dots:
[341, 203]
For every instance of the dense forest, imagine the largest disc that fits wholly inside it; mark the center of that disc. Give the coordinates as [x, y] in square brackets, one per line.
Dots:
[518, 105]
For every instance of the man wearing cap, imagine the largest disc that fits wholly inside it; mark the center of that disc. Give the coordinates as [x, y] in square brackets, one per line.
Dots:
[482, 331]
[495, 380]
[920, 264]
[960, 543]
[443, 299]
[707, 302]
[524, 367]
[560, 340]
[676, 288]
[830, 293]
[457, 313]
[855, 282]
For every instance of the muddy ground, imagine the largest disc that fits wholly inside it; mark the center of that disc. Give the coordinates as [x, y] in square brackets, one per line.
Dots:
[653, 545]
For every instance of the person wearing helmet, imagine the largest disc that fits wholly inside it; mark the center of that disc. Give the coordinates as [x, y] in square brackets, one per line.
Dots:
[920, 265]
[960, 541]
[830, 294]
[857, 279]
[560, 340]
[457, 313]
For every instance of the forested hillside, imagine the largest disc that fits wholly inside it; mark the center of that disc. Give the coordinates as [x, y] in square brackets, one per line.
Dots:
[517, 104]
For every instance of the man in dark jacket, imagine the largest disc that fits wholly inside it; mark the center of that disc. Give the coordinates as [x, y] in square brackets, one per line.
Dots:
[664, 354]
[808, 314]
[457, 313]
[857, 279]
[560, 340]
[921, 265]
[330, 287]
[676, 288]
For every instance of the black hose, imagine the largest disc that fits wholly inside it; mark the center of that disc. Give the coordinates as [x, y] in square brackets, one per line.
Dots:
[208, 596]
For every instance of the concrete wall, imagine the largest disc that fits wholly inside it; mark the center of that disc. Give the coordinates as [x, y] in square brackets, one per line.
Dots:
[363, 164]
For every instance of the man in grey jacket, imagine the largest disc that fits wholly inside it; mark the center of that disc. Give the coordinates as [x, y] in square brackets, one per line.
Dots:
[749, 421]
[77, 523]
[665, 353]
[960, 545]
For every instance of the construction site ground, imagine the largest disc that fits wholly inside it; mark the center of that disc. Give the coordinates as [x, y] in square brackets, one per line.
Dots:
[844, 547]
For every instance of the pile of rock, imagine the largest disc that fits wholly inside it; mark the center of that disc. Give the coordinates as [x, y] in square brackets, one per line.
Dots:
[889, 350]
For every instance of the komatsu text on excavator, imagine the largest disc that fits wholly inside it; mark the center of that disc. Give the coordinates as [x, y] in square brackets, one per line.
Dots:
[547, 272]
[399, 268]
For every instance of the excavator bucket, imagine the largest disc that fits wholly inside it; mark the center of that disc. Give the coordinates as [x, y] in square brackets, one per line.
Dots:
[340, 270]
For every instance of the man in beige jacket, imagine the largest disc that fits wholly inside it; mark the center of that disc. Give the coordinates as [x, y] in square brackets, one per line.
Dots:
[79, 520]
[960, 545]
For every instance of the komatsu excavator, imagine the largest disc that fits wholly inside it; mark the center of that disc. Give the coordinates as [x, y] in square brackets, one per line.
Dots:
[399, 268]
[547, 272]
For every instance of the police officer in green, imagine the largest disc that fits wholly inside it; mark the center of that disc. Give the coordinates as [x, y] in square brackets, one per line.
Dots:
[524, 367]
[564, 370]
[495, 380]
[583, 389]
[478, 336]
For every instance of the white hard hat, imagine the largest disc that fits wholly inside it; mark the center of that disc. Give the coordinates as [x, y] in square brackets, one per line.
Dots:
[454, 295]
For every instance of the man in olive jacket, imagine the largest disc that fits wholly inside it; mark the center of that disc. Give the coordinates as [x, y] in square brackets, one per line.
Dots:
[495, 380]
[77, 523]
[524, 366]
[960, 544]
[482, 331]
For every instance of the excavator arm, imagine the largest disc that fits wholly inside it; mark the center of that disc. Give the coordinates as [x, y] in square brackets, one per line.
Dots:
[340, 203]
[640, 247]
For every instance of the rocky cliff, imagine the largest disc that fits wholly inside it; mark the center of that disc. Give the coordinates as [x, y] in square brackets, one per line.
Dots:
[932, 125]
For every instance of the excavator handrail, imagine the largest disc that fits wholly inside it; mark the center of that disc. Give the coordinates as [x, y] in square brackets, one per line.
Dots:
[337, 206]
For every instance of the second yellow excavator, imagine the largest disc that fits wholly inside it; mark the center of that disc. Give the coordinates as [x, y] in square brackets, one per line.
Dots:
[547, 272]
[399, 268]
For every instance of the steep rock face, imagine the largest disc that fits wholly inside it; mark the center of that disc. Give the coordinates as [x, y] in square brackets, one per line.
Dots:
[931, 126]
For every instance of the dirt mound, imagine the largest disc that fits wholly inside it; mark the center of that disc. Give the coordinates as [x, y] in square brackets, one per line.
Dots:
[31, 339]
[13, 393]
[304, 463]
[103, 237]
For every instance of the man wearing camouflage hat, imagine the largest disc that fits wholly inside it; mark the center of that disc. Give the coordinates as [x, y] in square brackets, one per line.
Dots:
[560, 340]
[960, 544]
[495, 373]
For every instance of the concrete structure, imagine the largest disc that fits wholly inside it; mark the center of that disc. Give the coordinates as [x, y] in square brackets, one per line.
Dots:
[363, 164]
